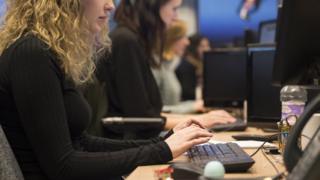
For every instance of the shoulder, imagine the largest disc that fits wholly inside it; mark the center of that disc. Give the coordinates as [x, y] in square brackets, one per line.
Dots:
[30, 50]
[124, 35]
[29, 45]
[185, 64]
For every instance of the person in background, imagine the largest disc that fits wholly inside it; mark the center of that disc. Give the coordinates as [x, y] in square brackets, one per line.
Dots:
[190, 69]
[47, 51]
[170, 89]
[130, 86]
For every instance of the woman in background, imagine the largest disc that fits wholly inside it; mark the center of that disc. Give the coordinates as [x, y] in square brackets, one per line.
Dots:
[47, 50]
[131, 88]
[170, 89]
[190, 70]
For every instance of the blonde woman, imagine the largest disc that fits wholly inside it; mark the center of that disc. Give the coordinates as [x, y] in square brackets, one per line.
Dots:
[47, 50]
[170, 89]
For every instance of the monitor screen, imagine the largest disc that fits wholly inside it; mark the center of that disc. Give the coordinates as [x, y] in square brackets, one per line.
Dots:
[263, 98]
[224, 78]
[267, 31]
[298, 51]
[220, 21]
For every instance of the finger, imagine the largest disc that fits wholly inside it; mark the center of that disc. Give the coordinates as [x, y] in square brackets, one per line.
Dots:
[223, 119]
[199, 141]
[196, 128]
[232, 120]
[189, 122]
[218, 122]
[196, 122]
[199, 134]
[220, 113]
[227, 119]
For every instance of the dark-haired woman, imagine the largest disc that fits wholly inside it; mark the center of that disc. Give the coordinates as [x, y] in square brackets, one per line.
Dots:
[189, 71]
[131, 88]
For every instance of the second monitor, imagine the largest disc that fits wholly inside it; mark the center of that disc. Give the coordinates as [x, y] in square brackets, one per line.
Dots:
[263, 98]
[224, 78]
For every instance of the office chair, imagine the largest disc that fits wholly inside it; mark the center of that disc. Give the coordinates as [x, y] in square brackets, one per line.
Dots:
[96, 95]
[9, 168]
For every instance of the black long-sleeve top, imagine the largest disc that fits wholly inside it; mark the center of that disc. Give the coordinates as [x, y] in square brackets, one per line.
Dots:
[131, 88]
[44, 118]
[186, 73]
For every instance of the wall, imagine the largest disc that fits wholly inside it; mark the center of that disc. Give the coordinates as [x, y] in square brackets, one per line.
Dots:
[188, 13]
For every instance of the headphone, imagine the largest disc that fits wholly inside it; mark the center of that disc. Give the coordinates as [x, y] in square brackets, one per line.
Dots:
[130, 2]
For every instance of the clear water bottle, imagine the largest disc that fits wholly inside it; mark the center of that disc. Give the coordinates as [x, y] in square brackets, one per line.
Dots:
[293, 99]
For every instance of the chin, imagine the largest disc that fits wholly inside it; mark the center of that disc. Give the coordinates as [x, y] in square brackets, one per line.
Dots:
[96, 29]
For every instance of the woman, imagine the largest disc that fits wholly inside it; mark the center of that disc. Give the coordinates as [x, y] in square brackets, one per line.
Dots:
[131, 88]
[46, 51]
[169, 86]
[189, 71]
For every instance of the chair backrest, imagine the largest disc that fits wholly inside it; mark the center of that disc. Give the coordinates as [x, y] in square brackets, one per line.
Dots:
[96, 96]
[9, 168]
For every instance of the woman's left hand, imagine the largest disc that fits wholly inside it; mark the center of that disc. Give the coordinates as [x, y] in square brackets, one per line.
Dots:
[187, 123]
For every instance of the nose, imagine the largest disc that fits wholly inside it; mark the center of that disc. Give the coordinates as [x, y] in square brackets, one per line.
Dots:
[187, 41]
[109, 6]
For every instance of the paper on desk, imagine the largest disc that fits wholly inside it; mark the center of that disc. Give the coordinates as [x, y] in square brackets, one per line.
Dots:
[246, 144]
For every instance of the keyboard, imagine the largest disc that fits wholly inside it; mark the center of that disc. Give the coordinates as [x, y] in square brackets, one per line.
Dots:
[230, 155]
[238, 125]
[256, 137]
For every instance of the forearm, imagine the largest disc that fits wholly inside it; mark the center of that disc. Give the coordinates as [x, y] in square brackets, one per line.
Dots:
[98, 144]
[181, 108]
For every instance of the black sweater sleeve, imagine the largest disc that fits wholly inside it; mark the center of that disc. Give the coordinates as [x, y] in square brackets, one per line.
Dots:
[97, 144]
[36, 89]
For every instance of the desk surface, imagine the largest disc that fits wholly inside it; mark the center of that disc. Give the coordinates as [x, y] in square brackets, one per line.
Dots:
[261, 167]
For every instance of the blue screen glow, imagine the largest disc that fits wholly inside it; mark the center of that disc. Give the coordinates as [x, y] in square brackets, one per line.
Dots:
[2, 7]
[220, 21]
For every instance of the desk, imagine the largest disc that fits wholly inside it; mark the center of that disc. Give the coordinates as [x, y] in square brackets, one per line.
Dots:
[261, 167]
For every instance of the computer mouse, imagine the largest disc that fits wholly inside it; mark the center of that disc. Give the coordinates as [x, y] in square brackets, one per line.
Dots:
[186, 171]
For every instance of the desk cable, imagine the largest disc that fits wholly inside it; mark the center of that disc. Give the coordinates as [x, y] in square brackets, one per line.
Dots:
[303, 135]
[279, 174]
[260, 147]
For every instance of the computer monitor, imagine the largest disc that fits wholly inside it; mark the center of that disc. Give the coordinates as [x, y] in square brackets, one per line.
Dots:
[267, 31]
[297, 62]
[297, 56]
[224, 78]
[263, 98]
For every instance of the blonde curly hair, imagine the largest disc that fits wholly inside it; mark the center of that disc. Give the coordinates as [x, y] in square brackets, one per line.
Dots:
[177, 30]
[63, 27]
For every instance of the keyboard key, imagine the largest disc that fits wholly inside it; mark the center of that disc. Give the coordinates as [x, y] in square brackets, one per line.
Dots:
[230, 155]
[225, 149]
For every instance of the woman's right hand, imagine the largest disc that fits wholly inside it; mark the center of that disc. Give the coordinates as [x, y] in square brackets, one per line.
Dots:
[212, 118]
[184, 139]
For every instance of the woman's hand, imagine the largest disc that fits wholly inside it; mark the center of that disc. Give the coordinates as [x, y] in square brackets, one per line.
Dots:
[187, 123]
[199, 106]
[212, 118]
[185, 138]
